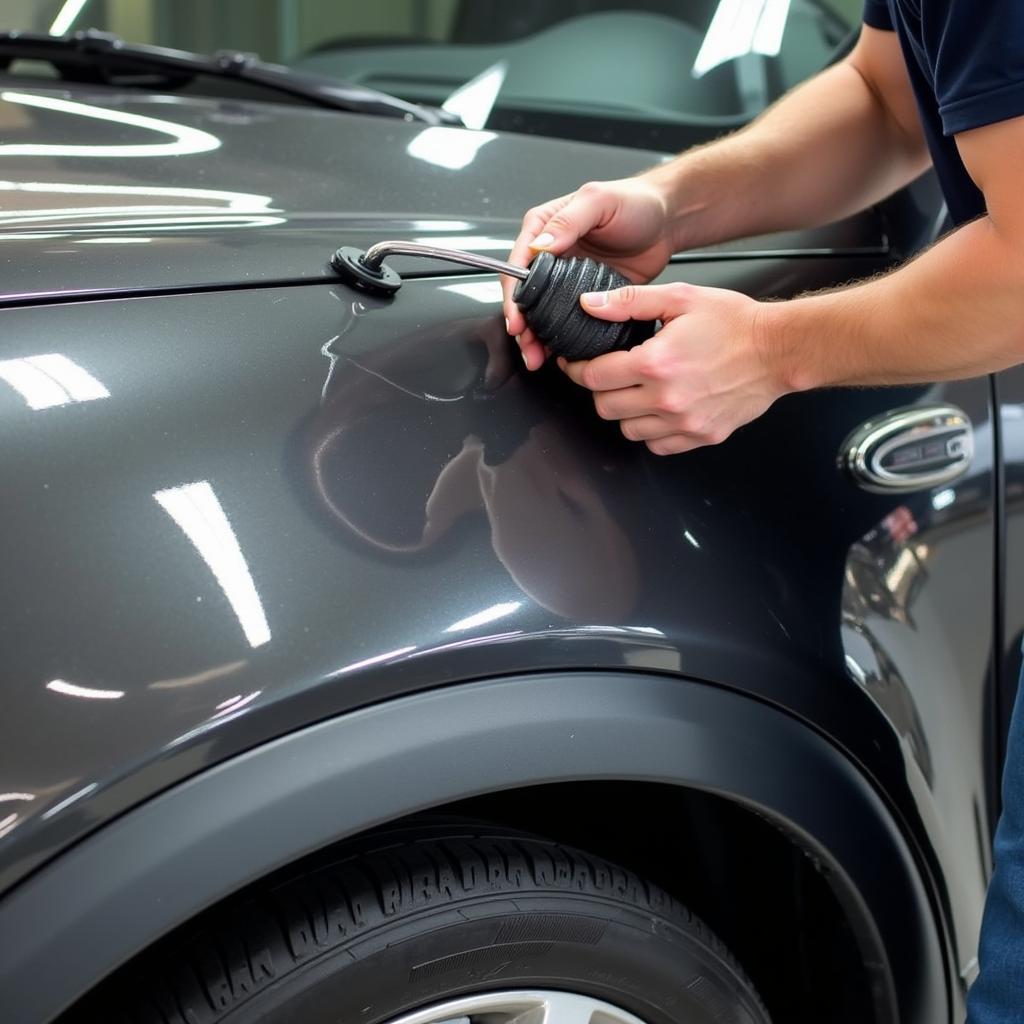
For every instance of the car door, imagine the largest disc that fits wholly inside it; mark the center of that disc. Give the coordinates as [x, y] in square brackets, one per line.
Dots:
[896, 585]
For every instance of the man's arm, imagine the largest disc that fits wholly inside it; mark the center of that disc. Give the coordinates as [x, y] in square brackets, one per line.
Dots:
[955, 311]
[840, 142]
[722, 358]
[843, 140]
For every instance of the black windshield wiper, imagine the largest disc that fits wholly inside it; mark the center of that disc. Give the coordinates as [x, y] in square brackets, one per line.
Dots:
[103, 58]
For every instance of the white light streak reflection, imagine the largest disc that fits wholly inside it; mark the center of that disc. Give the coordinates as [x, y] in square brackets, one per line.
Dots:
[7, 824]
[474, 100]
[198, 678]
[64, 804]
[226, 711]
[233, 704]
[5, 797]
[943, 499]
[451, 148]
[66, 17]
[377, 658]
[132, 240]
[140, 208]
[39, 390]
[487, 292]
[440, 225]
[496, 611]
[185, 140]
[608, 630]
[739, 27]
[90, 692]
[472, 641]
[483, 243]
[51, 379]
[195, 508]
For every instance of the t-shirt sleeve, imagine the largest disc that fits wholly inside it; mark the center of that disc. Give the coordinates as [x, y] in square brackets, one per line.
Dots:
[877, 14]
[977, 51]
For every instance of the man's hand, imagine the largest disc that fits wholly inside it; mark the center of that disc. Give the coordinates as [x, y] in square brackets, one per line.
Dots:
[622, 223]
[704, 374]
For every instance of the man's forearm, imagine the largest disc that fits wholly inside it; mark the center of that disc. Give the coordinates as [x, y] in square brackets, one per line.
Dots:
[721, 358]
[954, 312]
[826, 150]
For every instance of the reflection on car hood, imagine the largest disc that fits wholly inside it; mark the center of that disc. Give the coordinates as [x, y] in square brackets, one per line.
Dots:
[103, 190]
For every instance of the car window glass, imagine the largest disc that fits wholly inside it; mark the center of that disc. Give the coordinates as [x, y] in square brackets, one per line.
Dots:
[653, 73]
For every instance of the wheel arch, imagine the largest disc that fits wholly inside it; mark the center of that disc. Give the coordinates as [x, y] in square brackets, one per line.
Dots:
[170, 858]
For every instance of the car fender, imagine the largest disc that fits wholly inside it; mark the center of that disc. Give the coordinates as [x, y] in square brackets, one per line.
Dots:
[121, 888]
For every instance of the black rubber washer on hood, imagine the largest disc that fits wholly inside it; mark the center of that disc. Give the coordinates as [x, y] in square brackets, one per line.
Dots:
[348, 262]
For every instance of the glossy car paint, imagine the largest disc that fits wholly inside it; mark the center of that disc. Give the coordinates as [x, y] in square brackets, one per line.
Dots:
[154, 192]
[229, 513]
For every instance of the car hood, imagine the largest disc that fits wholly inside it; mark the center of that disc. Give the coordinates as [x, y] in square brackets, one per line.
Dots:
[106, 192]
[103, 191]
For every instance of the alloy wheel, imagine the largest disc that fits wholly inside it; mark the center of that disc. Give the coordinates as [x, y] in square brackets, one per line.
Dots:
[524, 1007]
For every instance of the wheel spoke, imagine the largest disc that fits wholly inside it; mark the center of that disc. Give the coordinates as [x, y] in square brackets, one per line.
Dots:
[566, 1008]
[536, 1014]
[524, 1007]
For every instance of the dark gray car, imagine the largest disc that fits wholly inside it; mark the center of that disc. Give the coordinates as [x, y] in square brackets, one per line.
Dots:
[349, 672]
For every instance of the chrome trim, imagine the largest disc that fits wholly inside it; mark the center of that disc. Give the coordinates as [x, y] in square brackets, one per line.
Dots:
[862, 452]
[374, 257]
[877, 459]
[525, 1007]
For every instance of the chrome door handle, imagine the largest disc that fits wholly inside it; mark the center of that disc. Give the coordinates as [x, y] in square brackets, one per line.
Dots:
[910, 449]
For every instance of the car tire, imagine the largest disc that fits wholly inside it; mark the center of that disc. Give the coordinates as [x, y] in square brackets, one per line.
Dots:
[452, 927]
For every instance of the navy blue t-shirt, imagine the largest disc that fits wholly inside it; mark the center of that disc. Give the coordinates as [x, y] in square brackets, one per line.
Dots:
[966, 63]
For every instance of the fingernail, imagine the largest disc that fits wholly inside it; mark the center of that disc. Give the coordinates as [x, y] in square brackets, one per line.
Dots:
[526, 362]
[507, 331]
[543, 240]
[563, 363]
[595, 298]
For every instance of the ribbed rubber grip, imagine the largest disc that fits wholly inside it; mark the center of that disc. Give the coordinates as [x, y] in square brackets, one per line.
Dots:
[550, 301]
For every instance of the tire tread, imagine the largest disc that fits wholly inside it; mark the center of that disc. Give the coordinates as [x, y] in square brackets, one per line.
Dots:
[243, 948]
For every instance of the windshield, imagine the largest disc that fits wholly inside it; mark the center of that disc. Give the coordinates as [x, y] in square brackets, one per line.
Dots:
[660, 74]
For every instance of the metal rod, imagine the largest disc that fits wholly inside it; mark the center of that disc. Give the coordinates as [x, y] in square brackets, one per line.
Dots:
[376, 254]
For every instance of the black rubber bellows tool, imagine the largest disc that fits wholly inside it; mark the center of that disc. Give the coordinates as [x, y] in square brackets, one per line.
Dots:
[548, 293]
